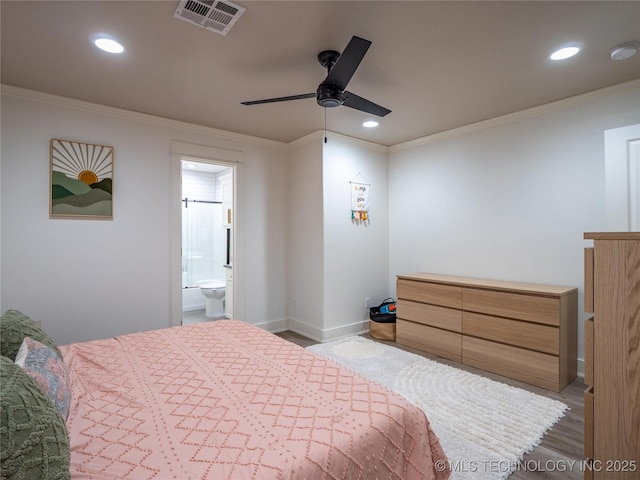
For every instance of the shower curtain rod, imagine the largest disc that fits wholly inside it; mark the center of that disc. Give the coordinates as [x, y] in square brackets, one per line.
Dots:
[186, 200]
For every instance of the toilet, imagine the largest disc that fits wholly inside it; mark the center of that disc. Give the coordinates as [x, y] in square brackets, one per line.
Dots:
[215, 292]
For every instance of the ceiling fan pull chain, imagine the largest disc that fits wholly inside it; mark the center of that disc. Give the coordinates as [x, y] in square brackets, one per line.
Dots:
[325, 125]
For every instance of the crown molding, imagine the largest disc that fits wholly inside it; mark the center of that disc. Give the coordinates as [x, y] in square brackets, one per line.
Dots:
[521, 115]
[80, 105]
[358, 142]
[319, 135]
[313, 137]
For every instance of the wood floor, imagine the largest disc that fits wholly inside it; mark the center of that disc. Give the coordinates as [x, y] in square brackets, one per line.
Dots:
[559, 455]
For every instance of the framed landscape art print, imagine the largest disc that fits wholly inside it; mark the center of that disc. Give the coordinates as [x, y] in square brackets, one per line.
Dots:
[81, 180]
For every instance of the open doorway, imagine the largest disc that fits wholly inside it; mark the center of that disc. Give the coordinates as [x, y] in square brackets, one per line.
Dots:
[207, 240]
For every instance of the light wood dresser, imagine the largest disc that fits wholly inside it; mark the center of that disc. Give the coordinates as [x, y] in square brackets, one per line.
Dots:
[612, 356]
[523, 331]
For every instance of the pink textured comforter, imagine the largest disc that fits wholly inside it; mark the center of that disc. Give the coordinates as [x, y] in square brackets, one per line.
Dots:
[227, 400]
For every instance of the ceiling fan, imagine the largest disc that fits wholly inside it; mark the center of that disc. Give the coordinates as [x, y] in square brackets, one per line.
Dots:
[332, 91]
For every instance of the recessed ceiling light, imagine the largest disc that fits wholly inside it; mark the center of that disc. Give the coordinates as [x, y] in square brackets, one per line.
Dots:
[564, 53]
[370, 124]
[108, 44]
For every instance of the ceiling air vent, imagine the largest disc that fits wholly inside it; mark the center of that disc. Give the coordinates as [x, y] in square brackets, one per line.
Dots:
[213, 15]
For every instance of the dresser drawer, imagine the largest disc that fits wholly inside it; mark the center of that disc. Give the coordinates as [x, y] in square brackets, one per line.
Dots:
[532, 308]
[440, 317]
[433, 293]
[525, 365]
[533, 336]
[433, 340]
[588, 351]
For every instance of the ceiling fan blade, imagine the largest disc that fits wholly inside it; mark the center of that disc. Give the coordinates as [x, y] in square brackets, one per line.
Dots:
[348, 62]
[281, 99]
[354, 101]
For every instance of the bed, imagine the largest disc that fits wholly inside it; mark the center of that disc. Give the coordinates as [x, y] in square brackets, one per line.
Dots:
[227, 400]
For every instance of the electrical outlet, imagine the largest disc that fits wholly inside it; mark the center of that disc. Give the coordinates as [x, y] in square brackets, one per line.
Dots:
[366, 302]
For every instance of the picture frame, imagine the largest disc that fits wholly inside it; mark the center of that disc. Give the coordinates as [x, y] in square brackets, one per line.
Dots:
[81, 180]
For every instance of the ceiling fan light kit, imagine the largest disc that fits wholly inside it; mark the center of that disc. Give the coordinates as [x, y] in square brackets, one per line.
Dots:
[332, 91]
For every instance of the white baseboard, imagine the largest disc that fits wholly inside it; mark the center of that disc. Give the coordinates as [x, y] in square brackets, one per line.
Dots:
[313, 332]
[303, 328]
[342, 331]
[274, 326]
[329, 334]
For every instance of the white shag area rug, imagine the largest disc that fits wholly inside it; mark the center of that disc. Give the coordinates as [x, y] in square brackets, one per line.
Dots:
[484, 426]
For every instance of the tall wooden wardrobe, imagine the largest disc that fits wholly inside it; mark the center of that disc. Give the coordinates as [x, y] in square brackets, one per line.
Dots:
[612, 356]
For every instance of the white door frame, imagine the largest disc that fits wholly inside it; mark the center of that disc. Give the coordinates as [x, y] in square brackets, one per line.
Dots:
[622, 178]
[219, 156]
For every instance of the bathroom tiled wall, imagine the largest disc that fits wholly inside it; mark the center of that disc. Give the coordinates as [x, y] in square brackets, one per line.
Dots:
[200, 186]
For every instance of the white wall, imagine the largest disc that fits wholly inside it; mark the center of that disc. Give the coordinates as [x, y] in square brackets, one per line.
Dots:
[508, 202]
[263, 232]
[334, 263]
[356, 257]
[87, 279]
[304, 239]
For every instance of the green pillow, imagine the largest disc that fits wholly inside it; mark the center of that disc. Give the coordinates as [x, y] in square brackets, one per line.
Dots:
[14, 326]
[34, 442]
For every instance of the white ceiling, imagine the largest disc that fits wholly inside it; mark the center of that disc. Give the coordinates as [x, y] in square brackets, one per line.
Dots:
[436, 65]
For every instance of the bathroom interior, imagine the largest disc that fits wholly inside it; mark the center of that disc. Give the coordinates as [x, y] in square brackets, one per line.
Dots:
[207, 241]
